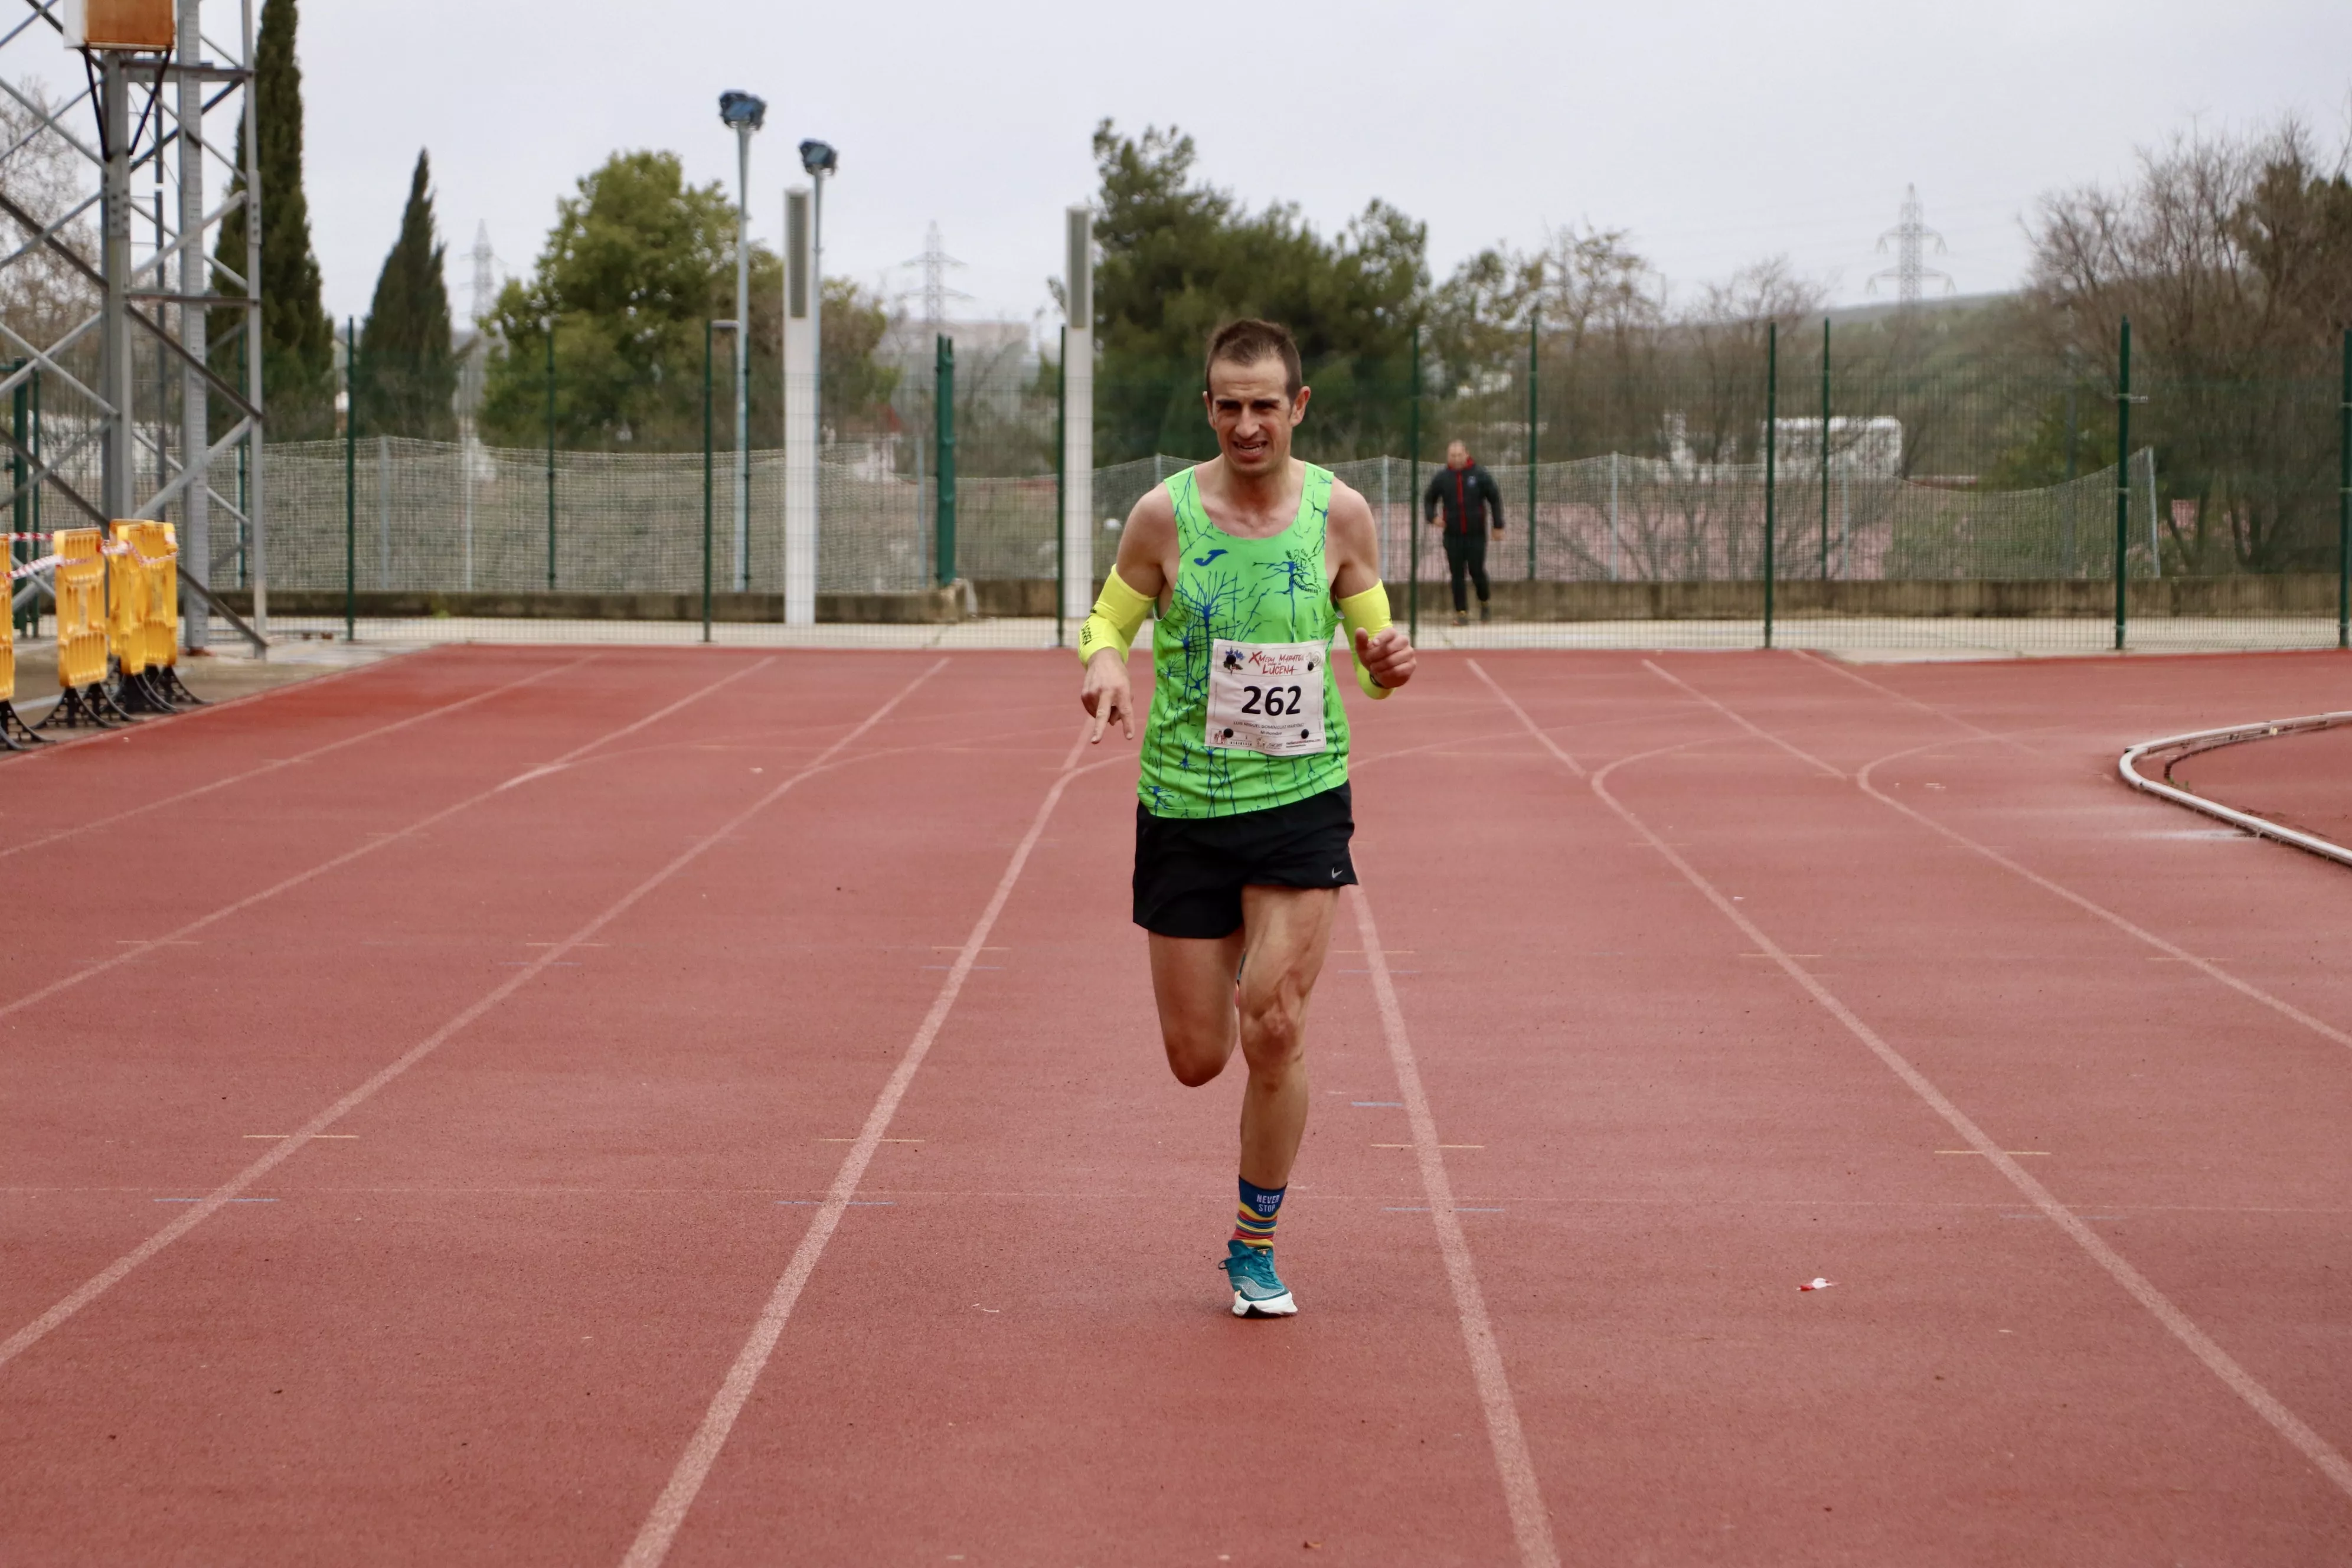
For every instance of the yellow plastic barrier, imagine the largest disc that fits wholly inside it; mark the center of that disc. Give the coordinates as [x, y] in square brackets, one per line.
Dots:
[126, 599]
[163, 552]
[80, 583]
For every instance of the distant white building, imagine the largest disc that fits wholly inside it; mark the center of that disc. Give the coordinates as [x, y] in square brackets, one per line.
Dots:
[1869, 449]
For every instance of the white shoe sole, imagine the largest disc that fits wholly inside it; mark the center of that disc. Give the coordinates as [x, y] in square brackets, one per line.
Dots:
[1280, 1306]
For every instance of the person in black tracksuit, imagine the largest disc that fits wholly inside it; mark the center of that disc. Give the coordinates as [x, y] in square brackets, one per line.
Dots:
[1468, 495]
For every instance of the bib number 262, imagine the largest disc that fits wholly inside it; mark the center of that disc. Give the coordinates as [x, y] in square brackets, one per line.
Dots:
[1273, 701]
[1266, 696]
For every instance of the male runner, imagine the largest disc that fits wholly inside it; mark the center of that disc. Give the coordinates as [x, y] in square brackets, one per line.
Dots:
[1467, 493]
[1243, 817]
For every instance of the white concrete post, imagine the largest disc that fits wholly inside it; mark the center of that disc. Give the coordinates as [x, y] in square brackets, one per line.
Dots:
[1079, 524]
[196, 418]
[801, 412]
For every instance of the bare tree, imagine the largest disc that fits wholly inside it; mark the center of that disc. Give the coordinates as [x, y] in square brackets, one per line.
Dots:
[43, 295]
[2232, 255]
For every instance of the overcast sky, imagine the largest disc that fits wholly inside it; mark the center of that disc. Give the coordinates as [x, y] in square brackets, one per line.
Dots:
[1717, 133]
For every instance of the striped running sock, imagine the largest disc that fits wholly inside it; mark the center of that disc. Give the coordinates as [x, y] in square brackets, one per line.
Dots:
[1260, 1207]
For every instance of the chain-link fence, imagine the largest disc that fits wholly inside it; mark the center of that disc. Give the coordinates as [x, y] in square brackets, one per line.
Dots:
[1906, 491]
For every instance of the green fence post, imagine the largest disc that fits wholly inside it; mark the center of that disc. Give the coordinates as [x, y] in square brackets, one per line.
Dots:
[2123, 480]
[351, 481]
[1825, 456]
[20, 472]
[551, 454]
[1771, 450]
[708, 332]
[943, 397]
[2344, 503]
[1061, 478]
[1413, 498]
[1533, 323]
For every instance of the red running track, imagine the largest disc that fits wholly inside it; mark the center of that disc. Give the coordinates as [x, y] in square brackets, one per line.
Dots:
[704, 1108]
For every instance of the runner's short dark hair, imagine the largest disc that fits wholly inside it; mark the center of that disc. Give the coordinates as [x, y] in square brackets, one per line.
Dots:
[1248, 341]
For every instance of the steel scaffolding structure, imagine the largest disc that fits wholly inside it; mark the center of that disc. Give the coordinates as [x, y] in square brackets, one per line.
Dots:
[154, 294]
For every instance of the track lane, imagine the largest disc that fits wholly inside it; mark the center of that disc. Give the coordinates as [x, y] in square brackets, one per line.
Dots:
[1033, 1323]
[1701, 1143]
[521, 1215]
[1778, 854]
[132, 1096]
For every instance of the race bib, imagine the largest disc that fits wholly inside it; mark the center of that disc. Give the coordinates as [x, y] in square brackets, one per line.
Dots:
[1266, 696]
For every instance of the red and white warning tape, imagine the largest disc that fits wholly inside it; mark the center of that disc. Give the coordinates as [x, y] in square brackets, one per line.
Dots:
[132, 551]
[51, 563]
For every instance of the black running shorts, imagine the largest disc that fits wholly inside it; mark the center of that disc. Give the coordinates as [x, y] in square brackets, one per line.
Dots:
[1190, 870]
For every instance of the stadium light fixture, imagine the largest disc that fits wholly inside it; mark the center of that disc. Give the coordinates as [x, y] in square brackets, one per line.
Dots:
[742, 111]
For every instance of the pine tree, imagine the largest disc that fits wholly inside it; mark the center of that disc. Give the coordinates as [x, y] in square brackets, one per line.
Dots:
[407, 378]
[297, 341]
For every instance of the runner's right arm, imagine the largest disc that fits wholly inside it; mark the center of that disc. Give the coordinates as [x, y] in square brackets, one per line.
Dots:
[1130, 588]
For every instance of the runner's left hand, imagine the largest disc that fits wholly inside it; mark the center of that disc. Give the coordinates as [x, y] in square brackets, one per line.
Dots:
[1387, 654]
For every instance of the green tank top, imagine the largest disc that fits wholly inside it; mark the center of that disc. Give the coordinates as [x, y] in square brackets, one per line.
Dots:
[1246, 640]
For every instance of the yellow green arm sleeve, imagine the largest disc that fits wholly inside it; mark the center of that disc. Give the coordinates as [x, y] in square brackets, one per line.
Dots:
[1118, 615]
[1367, 612]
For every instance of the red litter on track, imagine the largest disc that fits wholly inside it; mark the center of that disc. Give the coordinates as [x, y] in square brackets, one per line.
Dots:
[1817, 1284]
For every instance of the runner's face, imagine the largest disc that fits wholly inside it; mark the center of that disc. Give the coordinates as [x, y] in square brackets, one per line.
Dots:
[1457, 456]
[1251, 409]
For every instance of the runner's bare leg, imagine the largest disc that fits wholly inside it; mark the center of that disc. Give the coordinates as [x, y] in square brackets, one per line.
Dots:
[1280, 947]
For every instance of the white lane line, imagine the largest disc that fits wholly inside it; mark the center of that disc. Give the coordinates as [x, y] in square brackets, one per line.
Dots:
[141, 949]
[669, 1510]
[1530, 1524]
[2204, 966]
[1762, 734]
[2265, 1404]
[276, 763]
[1910, 701]
[1532, 728]
[61, 743]
[228, 1192]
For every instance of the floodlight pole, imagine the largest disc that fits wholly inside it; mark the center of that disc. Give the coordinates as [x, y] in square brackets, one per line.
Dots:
[743, 129]
[816, 297]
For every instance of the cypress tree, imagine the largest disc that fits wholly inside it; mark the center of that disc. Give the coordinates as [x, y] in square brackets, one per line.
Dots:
[407, 375]
[297, 341]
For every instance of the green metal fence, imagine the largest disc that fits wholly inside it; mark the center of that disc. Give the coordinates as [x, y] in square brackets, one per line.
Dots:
[1825, 485]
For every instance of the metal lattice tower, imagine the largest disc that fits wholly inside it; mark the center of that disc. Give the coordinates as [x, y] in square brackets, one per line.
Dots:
[140, 343]
[486, 291]
[935, 262]
[1911, 234]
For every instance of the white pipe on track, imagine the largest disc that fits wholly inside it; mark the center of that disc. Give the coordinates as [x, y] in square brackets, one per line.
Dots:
[2231, 735]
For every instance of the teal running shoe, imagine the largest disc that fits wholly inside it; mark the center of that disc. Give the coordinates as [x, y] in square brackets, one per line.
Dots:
[1258, 1291]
